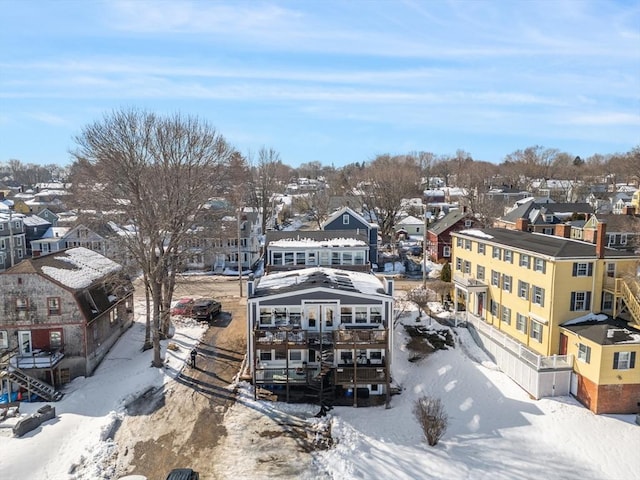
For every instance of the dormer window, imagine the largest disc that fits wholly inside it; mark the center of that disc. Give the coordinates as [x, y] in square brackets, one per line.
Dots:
[345, 219]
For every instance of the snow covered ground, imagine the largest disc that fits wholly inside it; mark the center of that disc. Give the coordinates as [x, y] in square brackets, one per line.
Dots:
[496, 431]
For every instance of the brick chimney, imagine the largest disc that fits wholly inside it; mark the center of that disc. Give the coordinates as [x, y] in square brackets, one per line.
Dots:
[562, 230]
[626, 210]
[601, 235]
[522, 224]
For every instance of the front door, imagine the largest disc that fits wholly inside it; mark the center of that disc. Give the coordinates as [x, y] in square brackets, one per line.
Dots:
[328, 317]
[24, 342]
[480, 303]
[564, 340]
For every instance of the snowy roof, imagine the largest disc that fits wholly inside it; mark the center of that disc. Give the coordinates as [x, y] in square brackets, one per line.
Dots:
[310, 242]
[35, 220]
[603, 330]
[476, 233]
[410, 220]
[319, 277]
[76, 268]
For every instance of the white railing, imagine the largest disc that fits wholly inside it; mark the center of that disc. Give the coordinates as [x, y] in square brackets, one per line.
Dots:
[537, 361]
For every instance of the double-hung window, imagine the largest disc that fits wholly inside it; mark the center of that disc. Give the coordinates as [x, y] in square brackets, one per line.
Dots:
[584, 353]
[495, 278]
[523, 290]
[582, 269]
[458, 264]
[467, 267]
[53, 305]
[481, 248]
[580, 301]
[539, 265]
[521, 323]
[506, 283]
[508, 256]
[624, 360]
[494, 307]
[506, 315]
[497, 252]
[536, 331]
[480, 272]
[538, 296]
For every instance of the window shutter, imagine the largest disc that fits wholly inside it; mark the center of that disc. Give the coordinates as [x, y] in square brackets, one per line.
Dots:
[615, 360]
[632, 360]
[588, 354]
[542, 298]
[590, 269]
[575, 269]
[588, 301]
[544, 269]
[573, 301]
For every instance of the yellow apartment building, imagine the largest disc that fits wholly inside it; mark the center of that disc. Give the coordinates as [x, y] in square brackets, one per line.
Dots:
[518, 288]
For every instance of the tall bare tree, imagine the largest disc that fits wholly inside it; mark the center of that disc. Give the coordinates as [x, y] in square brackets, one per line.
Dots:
[267, 178]
[387, 181]
[158, 172]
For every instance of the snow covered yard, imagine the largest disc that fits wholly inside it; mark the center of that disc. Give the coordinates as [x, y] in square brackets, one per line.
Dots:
[495, 430]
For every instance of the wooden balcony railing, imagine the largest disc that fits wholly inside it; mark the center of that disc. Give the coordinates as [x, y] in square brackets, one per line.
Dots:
[360, 374]
[297, 337]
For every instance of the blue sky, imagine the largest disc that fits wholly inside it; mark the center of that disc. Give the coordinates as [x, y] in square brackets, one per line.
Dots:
[329, 81]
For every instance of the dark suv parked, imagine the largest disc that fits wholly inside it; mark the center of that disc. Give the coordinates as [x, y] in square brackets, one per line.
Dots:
[183, 474]
[206, 309]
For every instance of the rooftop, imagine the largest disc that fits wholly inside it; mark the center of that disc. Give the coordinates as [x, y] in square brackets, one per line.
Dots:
[604, 330]
[291, 281]
[541, 244]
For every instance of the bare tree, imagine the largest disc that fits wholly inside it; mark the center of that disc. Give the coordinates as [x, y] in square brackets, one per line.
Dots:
[421, 297]
[267, 178]
[315, 205]
[386, 182]
[158, 172]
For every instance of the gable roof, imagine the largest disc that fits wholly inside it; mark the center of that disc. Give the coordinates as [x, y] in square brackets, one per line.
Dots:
[74, 269]
[448, 221]
[410, 220]
[548, 245]
[534, 211]
[346, 210]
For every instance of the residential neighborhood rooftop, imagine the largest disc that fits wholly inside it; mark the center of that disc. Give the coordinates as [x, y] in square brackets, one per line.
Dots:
[604, 330]
[74, 268]
[542, 244]
[320, 277]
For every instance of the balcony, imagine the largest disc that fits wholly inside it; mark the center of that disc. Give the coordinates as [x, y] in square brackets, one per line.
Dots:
[37, 359]
[360, 338]
[360, 374]
[292, 376]
[468, 283]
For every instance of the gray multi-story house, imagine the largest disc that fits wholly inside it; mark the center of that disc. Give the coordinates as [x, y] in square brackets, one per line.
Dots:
[321, 334]
[13, 244]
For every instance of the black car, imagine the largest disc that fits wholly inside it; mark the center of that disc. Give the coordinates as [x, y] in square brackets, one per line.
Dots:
[183, 474]
[206, 309]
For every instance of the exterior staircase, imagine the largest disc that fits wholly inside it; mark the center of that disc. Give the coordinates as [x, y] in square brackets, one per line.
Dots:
[629, 291]
[322, 388]
[33, 385]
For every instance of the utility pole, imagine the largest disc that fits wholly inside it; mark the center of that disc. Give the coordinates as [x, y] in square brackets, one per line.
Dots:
[424, 247]
[11, 239]
[239, 252]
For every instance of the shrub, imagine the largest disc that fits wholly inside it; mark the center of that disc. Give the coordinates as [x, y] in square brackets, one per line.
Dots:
[432, 418]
